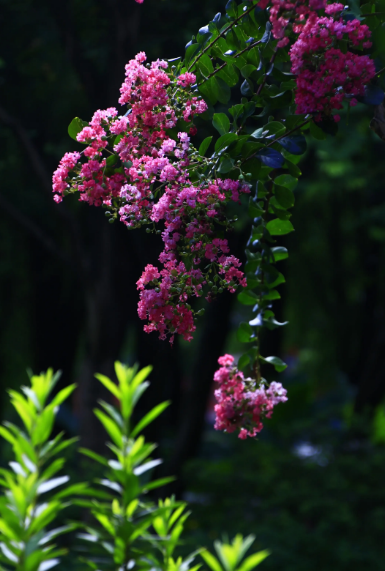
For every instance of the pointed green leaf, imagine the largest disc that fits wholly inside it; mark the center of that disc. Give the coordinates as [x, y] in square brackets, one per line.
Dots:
[110, 426]
[51, 484]
[205, 145]
[284, 196]
[211, 561]
[244, 333]
[247, 297]
[286, 180]
[279, 253]
[253, 561]
[221, 122]
[111, 386]
[75, 127]
[62, 395]
[278, 364]
[150, 417]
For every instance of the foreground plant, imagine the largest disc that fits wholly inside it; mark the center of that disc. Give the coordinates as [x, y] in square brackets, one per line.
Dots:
[127, 530]
[295, 64]
[124, 516]
[30, 502]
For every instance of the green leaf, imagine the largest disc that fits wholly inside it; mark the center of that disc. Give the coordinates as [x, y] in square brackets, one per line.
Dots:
[273, 294]
[277, 279]
[52, 468]
[229, 74]
[104, 520]
[43, 426]
[190, 52]
[205, 145]
[278, 227]
[209, 90]
[244, 333]
[247, 297]
[247, 70]
[110, 426]
[94, 456]
[62, 395]
[253, 560]
[112, 160]
[7, 435]
[211, 561]
[243, 361]
[24, 410]
[225, 141]
[226, 165]
[142, 468]
[247, 88]
[51, 484]
[224, 92]
[110, 385]
[284, 196]
[158, 483]
[293, 169]
[221, 122]
[141, 376]
[317, 132]
[287, 181]
[150, 417]
[231, 8]
[275, 128]
[62, 445]
[75, 127]
[279, 365]
[279, 253]
[45, 516]
[205, 66]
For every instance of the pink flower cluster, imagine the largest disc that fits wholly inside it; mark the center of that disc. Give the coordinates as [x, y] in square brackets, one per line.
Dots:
[241, 404]
[326, 75]
[142, 175]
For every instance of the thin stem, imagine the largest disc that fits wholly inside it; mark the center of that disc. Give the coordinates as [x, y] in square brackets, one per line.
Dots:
[278, 138]
[265, 77]
[226, 62]
[257, 364]
[248, 48]
[213, 73]
[221, 35]
[289, 132]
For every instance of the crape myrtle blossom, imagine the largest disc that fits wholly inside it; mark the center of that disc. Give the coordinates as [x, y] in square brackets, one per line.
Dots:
[242, 404]
[134, 168]
[326, 75]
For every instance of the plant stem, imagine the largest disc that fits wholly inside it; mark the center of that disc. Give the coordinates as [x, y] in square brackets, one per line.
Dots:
[289, 132]
[221, 35]
[226, 62]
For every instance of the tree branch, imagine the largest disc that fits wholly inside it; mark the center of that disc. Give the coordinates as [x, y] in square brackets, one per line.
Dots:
[221, 35]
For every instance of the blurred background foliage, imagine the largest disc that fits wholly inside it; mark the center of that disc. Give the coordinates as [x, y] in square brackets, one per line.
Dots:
[312, 487]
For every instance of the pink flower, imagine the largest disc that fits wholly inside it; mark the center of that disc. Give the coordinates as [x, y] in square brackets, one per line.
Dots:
[145, 159]
[226, 360]
[241, 403]
[186, 79]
